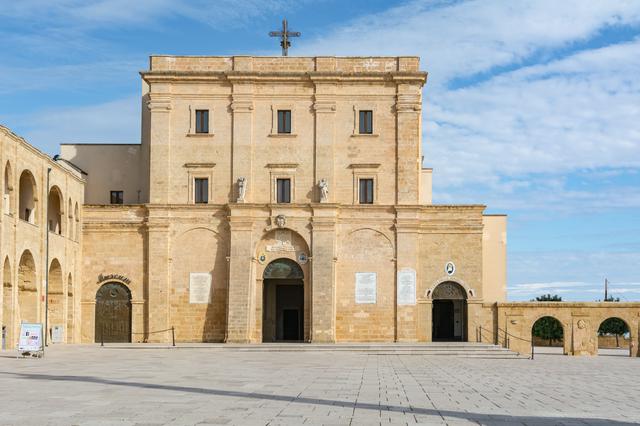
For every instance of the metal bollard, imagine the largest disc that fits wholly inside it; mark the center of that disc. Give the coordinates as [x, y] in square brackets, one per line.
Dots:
[173, 335]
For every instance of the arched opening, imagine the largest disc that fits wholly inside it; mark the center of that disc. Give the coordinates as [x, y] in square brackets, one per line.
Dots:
[7, 304]
[113, 313]
[547, 333]
[76, 216]
[7, 207]
[56, 297]
[54, 210]
[283, 302]
[28, 197]
[449, 312]
[70, 309]
[27, 308]
[614, 337]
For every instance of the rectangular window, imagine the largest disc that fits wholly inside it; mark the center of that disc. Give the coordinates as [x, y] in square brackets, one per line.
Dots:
[366, 191]
[366, 122]
[202, 121]
[201, 187]
[283, 190]
[117, 197]
[284, 121]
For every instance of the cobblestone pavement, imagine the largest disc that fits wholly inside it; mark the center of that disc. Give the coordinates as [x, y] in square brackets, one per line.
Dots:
[89, 385]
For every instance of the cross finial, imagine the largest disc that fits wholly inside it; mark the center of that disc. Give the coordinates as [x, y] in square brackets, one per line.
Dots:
[284, 37]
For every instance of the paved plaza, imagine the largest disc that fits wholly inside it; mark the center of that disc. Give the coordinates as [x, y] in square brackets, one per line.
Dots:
[89, 385]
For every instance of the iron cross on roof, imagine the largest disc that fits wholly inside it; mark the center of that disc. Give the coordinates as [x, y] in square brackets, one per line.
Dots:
[284, 37]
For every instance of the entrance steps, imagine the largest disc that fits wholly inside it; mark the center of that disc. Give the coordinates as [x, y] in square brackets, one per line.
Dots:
[453, 349]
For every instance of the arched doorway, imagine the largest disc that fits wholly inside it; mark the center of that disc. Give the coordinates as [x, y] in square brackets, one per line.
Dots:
[614, 337]
[283, 302]
[28, 305]
[547, 332]
[113, 313]
[56, 296]
[54, 210]
[449, 312]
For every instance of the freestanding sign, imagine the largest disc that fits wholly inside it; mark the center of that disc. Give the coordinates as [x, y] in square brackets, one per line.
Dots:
[30, 338]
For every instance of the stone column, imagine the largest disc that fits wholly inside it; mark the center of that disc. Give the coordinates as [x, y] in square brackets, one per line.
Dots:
[583, 336]
[240, 309]
[158, 275]
[408, 110]
[160, 143]
[323, 273]
[325, 110]
[407, 254]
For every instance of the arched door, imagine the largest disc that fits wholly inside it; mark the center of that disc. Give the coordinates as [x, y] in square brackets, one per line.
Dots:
[449, 316]
[283, 302]
[113, 313]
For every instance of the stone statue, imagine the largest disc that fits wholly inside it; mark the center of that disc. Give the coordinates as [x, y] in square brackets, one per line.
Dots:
[242, 189]
[324, 190]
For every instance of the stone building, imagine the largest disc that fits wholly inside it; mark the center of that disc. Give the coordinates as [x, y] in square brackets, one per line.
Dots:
[273, 199]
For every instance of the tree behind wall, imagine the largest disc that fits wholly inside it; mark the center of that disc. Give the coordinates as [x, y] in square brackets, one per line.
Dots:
[548, 328]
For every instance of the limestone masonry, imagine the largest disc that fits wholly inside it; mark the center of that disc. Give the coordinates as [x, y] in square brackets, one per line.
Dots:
[270, 199]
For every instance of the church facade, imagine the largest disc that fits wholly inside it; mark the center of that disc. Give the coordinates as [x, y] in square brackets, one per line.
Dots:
[272, 199]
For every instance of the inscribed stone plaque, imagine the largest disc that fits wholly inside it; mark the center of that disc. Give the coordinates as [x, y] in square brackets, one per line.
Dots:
[199, 287]
[366, 287]
[406, 286]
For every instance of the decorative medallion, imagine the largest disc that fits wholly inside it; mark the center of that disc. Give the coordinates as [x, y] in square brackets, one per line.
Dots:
[581, 324]
[450, 268]
[262, 257]
[302, 258]
[281, 221]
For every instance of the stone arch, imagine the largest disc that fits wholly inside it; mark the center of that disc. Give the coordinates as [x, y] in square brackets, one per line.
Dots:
[55, 295]
[55, 210]
[372, 252]
[76, 216]
[70, 309]
[211, 258]
[28, 197]
[7, 301]
[27, 308]
[469, 292]
[113, 313]
[277, 244]
[551, 332]
[449, 314]
[614, 332]
[7, 199]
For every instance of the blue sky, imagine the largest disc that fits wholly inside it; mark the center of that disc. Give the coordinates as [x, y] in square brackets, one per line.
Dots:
[532, 108]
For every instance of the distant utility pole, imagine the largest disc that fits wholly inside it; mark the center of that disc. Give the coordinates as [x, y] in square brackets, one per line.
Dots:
[606, 289]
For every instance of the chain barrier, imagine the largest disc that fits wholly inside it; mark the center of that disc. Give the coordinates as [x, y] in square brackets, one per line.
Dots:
[172, 330]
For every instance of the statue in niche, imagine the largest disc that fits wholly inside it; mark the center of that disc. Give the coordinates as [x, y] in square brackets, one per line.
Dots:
[242, 189]
[324, 190]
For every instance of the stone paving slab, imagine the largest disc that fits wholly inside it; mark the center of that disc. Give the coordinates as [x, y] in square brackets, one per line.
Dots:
[89, 385]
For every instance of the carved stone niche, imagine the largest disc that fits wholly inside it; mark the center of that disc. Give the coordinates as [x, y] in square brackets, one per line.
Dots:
[449, 291]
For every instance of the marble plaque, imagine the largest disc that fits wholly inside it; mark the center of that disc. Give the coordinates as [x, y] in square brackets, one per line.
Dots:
[199, 287]
[406, 286]
[366, 287]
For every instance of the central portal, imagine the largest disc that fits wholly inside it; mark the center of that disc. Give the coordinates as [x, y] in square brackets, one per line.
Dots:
[283, 302]
[449, 315]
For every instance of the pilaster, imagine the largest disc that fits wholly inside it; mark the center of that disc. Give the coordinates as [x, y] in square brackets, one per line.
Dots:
[241, 280]
[323, 288]
[325, 111]
[242, 139]
[158, 275]
[160, 143]
[407, 252]
[409, 132]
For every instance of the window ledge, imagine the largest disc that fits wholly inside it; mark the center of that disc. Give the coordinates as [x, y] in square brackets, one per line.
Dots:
[365, 135]
[283, 135]
[200, 135]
